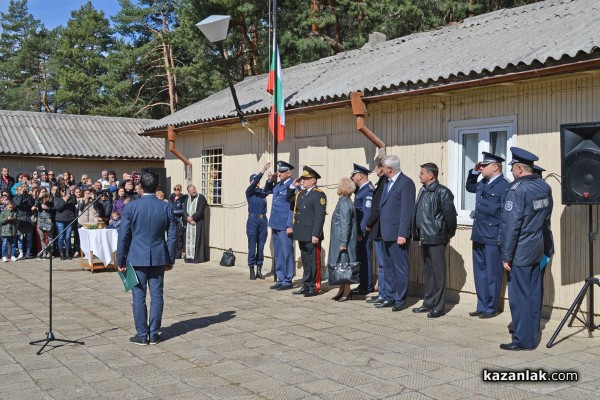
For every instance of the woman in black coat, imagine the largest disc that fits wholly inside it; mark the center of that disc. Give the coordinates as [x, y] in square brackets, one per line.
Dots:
[66, 212]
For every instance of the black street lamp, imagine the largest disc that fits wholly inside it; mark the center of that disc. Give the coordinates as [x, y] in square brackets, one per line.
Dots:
[215, 29]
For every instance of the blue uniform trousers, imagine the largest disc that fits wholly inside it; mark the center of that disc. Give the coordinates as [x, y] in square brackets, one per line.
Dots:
[363, 253]
[395, 261]
[152, 278]
[525, 298]
[487, 272]
[256, 230]
[283, 248]
[381, 271]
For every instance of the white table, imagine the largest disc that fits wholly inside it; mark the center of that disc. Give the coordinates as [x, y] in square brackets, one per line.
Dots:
[101, 243]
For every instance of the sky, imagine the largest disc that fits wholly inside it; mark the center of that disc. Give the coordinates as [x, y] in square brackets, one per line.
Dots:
[57, 12]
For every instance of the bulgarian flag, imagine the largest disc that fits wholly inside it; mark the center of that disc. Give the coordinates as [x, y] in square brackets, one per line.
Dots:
[277, 97]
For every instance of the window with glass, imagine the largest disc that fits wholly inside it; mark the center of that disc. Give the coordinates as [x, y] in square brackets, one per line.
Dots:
[212, 175]
[468, 139]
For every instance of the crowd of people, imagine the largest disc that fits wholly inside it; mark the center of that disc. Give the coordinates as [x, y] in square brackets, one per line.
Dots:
[37, 207]
[511, 232]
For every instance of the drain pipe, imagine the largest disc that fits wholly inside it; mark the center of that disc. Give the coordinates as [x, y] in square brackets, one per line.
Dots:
[172, 136]
[359, 109]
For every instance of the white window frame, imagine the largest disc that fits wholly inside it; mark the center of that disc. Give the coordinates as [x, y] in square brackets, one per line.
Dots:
[457, 171]
[208, 156]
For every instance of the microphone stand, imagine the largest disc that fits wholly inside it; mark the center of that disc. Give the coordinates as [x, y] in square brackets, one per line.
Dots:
[50, 246]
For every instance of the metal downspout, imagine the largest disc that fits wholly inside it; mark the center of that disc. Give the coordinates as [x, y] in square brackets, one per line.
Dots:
[172, 136]
[359, 109]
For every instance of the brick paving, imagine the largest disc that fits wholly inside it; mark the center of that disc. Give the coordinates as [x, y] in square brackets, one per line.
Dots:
[225, 337]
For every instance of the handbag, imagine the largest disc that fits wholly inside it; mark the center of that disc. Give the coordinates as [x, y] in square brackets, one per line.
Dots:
[343, 273]
[228, 258]
[45, 226]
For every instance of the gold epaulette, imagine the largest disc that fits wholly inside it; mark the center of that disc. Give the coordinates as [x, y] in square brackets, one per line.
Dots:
[318, 190]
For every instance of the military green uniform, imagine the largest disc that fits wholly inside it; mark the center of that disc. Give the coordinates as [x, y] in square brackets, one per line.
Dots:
[309, 217]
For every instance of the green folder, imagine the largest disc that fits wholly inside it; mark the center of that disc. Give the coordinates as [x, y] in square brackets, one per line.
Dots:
[129, 278]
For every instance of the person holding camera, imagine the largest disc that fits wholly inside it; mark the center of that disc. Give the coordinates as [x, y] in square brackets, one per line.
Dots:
[65, 206]
[24, 205]
[45, 220]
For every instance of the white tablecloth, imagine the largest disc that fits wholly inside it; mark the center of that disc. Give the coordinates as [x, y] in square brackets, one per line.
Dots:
[102, 242]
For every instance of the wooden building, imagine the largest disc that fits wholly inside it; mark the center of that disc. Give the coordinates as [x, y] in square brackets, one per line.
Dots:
[508, 78]
[80, 144]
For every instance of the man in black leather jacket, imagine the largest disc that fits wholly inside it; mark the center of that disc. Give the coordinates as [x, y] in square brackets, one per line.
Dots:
[434, 223]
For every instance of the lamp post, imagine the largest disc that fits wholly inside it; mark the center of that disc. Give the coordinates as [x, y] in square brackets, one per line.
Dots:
[215, 29]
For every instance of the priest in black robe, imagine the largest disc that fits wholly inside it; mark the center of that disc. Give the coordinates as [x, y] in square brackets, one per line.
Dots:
[196, 235]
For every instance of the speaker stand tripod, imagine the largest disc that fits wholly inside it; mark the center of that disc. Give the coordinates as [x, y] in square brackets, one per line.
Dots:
[49, 248]
[589, 285]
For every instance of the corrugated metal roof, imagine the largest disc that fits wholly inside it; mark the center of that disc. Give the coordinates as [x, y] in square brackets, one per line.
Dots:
[66, 135]
[485, 45]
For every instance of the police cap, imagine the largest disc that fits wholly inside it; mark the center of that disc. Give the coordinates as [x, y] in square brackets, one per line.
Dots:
[538, 170]
[282, 166]
[522, 156]
[489, 158]
[358, 169]
[308, 172]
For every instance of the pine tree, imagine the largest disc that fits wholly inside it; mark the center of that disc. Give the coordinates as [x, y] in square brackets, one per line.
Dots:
[24, 49]
[80, 61]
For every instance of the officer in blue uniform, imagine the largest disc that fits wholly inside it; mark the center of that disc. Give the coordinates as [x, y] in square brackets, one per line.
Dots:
[256, 226]
[282, 228]
[363, 200]
[525, 237]
[487, 263]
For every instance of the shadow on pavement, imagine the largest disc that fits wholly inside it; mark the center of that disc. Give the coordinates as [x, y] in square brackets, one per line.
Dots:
[183, 327]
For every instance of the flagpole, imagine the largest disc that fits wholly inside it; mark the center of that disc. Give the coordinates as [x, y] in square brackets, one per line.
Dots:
[275, 83]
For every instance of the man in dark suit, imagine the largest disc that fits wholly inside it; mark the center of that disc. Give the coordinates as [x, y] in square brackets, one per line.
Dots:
[142, 244]
[363, 199]
[309, 216]
[487, 262]
[397, 203]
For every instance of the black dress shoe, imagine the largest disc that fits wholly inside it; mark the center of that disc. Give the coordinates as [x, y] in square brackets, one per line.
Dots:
[360, 291]
[435, 314]
[475, 313]
[275, 286]
[487, 315]
[300, 291]
[284, 287]
[421, 310]
[511, 347]
[376, 300]
[309, 294]
[398, 306]
[384, 304]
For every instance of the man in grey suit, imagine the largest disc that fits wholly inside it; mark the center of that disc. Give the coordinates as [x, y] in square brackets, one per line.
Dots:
[142, 244]
[396, 205]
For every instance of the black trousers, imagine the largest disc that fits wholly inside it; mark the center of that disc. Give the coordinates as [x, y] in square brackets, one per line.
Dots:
[433, 257]
[308, 254]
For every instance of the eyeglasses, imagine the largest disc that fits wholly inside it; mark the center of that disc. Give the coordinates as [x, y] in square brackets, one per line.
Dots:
[177, 189]
[51, 174]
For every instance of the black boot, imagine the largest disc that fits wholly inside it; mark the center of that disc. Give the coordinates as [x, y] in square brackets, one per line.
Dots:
[259, 274]
[252, 276]
[63, 254]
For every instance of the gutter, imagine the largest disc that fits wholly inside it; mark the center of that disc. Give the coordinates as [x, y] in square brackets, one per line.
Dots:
[172, 137]
[359, 109]
[578, 66]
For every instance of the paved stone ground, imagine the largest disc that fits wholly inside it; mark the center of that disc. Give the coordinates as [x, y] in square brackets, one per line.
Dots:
[226, 337]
